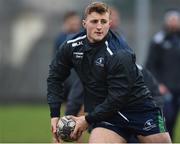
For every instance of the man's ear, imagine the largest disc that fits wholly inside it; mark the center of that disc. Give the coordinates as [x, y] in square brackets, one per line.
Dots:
[110, 22]
[84, 23]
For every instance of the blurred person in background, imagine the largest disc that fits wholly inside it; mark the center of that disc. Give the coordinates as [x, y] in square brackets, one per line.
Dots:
[163, 61]
[117, 101]
[71, 25]
[115, 20]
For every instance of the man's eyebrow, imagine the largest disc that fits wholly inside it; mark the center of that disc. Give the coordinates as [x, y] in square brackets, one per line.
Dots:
[94, 20]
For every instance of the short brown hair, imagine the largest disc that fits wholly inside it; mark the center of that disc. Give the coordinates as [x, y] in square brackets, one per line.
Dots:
[98, 7]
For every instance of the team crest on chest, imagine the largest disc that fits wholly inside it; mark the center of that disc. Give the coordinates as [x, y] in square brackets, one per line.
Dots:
[100, 62]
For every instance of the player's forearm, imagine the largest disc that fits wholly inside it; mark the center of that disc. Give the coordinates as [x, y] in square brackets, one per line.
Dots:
[55, 97]
[55, 94]
[104, 111]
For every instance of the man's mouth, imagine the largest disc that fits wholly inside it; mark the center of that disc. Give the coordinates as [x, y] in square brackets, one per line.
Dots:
[98, 33]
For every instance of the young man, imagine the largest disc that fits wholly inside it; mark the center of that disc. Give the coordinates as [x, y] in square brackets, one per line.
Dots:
[117, 102]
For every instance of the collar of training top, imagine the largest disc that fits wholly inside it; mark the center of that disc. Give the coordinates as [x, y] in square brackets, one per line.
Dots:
[99, 44]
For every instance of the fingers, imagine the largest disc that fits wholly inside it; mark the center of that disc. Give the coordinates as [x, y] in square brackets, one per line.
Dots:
[53, 129]
[54, 133]
[79, 134]
[71, 117]
[74, 134]
[56, 139]
[54, 122]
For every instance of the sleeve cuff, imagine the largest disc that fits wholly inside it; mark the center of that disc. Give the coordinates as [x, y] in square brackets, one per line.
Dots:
[55, 111]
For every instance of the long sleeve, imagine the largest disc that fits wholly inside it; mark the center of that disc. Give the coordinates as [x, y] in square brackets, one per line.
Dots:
[59, 70]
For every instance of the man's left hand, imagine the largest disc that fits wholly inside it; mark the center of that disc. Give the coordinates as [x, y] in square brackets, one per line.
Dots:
[81, 125]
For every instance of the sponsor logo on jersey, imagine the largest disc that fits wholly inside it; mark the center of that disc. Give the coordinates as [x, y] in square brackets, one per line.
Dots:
[78, 55]
[75, 44]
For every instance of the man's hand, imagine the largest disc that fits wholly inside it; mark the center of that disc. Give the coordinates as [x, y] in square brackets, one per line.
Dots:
[81, 125]
[54, 122]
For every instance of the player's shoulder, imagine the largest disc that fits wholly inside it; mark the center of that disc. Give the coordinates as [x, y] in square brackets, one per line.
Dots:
[77, 39]
[73, 43]
[117, 44]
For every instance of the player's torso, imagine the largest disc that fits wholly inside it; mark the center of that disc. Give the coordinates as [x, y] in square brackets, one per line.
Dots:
[90, 64]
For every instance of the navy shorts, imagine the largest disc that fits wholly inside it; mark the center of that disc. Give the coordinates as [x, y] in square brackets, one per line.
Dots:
[127, 124]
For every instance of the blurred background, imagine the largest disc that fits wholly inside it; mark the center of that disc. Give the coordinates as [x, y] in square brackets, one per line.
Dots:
[28, 29]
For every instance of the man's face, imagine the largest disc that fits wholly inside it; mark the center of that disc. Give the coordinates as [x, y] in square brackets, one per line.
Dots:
[115, 19]
[97, 26]
[173, 23]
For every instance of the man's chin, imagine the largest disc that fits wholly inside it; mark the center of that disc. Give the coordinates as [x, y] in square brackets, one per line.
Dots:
[98, 39]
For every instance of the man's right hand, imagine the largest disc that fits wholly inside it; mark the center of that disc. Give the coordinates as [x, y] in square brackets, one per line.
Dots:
[54, 122]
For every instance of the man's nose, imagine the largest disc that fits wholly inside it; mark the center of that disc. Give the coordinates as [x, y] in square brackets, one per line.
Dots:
[99, 25]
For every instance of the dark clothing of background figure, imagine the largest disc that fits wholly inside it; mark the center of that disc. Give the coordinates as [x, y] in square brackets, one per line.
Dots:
[73, 89]
[164, 59]
[164, 63]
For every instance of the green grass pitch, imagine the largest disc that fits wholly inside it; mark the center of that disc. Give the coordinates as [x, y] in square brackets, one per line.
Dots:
[31, 123]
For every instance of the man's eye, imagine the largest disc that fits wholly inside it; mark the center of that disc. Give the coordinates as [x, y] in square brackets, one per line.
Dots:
[94, 21]
[103, 21]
